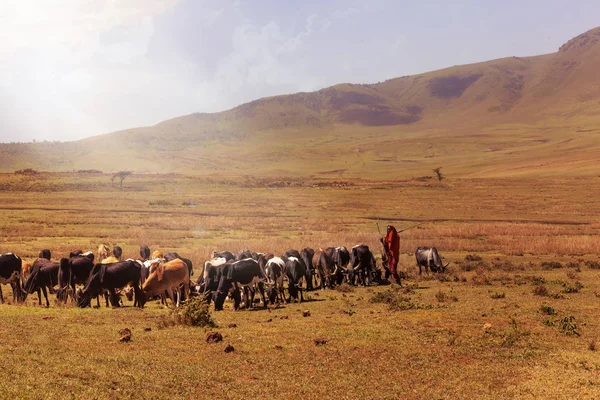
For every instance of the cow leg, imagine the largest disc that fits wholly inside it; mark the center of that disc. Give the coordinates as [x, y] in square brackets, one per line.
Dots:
[137, 293]
[45, 296]
[261, 290]
[236, 297]
[301, 297]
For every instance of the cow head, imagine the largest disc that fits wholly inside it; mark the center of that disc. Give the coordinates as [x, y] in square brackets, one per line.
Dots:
[219, 299]
[272, 293]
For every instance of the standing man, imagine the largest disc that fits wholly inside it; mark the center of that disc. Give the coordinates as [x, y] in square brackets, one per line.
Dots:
[391, 245]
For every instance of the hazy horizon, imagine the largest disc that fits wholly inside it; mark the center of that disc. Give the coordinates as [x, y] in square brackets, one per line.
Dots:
[80, 68]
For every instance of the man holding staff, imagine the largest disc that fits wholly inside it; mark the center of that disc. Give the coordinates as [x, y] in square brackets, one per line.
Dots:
[391, 246]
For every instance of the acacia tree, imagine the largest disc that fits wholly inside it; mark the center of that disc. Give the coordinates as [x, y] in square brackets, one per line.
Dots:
[121, 175]
[438, 173]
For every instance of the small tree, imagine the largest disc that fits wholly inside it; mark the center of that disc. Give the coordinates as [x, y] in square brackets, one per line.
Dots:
[438, 173]
[121, 175]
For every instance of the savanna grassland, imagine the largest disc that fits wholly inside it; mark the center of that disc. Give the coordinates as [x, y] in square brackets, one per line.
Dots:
[515, 316]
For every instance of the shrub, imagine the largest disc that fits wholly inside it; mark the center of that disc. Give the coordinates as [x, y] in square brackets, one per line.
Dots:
[592, 264]
[548, 310]
[540, 290]
[444, 297]
[396, 301]
[160, 203]
[569, 327]
[473, 262]
[573, 289]
[497, 295]
[480, 277]
[546, 265]
[344, 288]
[194, 312]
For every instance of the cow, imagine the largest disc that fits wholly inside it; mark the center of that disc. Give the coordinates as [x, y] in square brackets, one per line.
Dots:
[263, 258]
[209, 279]
[341, 258]
[44, 274]
[275, 271]
[45, 253]
[429, 258]
[245, 272]
[10, 274]
[118, 252]
[295, 270]
[173, 255]
[144, 253]
[362, 262]
[323, 265]
[72, 271]
[242, 254]
[306, 256]
[111, 277]
[223, 254]
[167, 276]
[26, 270]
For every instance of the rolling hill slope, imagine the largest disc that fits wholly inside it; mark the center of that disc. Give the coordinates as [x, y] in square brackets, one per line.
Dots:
[513, 116]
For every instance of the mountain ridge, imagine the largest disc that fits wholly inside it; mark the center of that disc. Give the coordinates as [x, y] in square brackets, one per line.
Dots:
[496, 116]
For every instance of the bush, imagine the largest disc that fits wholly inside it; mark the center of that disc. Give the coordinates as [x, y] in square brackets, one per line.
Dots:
[344, 288]
[444, 297]
[480, 278]
[548, 310]
[546, 265]
[573, 289]
[498, 295]
[160, 203]
[194, 312]
[569, 327]
[473, 257]
[592, 264]
[396, 301]
[540, 290]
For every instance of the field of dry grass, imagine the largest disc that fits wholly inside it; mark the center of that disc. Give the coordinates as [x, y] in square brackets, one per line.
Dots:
[514, 317]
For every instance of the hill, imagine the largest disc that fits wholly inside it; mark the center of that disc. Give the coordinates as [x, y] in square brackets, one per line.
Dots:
[513, 116]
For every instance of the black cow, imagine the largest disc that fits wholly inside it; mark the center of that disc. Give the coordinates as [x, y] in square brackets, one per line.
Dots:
[208, 282]
[10, 274]
[173, 255]
[44, 274]
[45, 253]
[274, 272]
[306, 256]
[362, 263]
[227, 255]
[429, 258]
[323, 265]
[73, 271]
[341, 258]
[243, 254]
[245, 272]
[144, 253]
[295, 270]
[111, 277]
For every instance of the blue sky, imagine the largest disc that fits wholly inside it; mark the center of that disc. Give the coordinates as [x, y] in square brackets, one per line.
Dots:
[70, 69]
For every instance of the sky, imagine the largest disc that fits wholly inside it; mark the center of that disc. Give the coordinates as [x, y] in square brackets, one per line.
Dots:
[71, 69]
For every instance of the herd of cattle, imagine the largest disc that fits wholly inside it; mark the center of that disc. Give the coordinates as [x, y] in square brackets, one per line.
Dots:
[238, 275]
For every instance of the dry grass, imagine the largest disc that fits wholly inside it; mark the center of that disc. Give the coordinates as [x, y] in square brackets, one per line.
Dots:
[439, 336]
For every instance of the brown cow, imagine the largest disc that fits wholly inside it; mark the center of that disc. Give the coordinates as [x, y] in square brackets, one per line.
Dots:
[167, 276]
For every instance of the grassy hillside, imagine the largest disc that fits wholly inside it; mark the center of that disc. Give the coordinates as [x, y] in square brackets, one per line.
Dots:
[513, 116]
